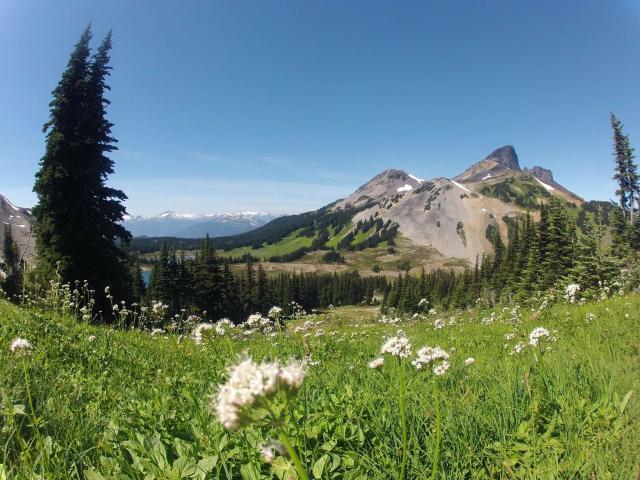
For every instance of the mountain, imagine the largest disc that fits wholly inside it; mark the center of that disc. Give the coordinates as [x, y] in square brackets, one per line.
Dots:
[173, 224]
[20, 220]
[398, 219]
[454, 215]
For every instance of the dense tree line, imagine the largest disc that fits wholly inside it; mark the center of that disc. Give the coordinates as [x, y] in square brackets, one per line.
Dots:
[539, 256]
[208, 284]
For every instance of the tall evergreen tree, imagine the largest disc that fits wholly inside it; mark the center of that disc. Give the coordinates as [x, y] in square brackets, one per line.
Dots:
[625, 169]
[77, 216]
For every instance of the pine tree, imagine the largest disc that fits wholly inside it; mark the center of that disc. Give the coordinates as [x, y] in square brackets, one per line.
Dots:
[625, 169]
[208, 285]
[594, 265]
[77, 216]
[10, 251]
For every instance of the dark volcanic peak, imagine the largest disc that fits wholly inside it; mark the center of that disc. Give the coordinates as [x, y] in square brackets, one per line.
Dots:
[541, 173]
[496, 163]
[505, 156]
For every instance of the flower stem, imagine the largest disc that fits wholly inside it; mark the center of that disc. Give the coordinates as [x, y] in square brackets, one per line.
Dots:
[297, 463]
[436, 451]
[28, 390]
[403, 423]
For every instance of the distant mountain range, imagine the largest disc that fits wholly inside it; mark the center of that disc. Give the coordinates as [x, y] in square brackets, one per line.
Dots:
[172, 224]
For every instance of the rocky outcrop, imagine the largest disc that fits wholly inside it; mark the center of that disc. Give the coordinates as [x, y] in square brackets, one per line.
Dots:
[20, 221]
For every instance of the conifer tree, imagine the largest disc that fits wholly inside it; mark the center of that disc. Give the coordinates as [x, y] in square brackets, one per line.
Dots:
[77, 216]
[208, 286]
[594, 266]
[625, 169]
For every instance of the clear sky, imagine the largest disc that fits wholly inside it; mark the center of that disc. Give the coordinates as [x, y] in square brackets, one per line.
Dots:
[284, 106]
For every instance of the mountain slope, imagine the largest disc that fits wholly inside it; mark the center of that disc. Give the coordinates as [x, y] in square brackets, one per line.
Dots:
[20, 220]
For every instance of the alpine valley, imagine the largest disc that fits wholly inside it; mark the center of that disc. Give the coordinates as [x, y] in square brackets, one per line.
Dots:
[399, 222]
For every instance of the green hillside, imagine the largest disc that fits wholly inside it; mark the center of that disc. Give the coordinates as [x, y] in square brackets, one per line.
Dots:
[97, 403]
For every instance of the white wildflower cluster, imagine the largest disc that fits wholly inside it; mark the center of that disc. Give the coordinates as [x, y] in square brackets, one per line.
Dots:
[441, 323]
[250, 384]
[297, 310]
[275, 312]
[308, 325]
[590, 317]
[546, 301]
[376, 362]
[469, 361]
[488, 320]
[536, 334]
[270, 450]
[517, 348]
[21, 346]
[3, 275]
[398, 346]
[429, 355]
[196, 335]
[571, 291]
[222, 326]
[423, 303]
[258, 323]
[388, 320]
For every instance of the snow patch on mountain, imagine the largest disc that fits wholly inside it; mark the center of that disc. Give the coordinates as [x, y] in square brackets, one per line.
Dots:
[548, 187]
[460, 186]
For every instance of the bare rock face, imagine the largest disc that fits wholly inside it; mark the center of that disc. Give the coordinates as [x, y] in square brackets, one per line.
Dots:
[389, 183]
[505, 156]
[20, 221]
[541, 174]
[499, 161]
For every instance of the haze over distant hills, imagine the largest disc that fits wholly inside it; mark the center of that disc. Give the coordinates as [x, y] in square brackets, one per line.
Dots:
[453, 217]
[172, 224]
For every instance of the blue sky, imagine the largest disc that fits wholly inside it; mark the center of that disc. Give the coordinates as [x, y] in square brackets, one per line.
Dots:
[284, 106]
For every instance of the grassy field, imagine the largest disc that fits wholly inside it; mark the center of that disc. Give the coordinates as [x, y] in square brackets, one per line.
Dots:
[93, 402]
[288, 244]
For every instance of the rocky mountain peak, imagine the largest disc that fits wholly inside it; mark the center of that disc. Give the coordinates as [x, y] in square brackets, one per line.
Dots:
[496, 163]
[505, 156]
[541, 173]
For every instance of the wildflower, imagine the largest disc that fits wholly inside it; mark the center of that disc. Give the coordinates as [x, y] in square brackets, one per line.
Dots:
[197, 332]
[441, 369]
[469, 361]
[571, 291]
[376, 362]
[91, 338]
[517, 348]
[398, 346]
[591, 317]
[428, 355]
[249, 383]
[274, 312]
[536, 334]
[21, 346]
